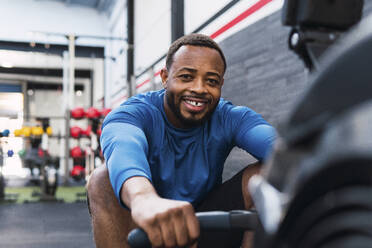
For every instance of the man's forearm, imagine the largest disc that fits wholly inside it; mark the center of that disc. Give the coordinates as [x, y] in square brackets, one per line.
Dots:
[135, 188]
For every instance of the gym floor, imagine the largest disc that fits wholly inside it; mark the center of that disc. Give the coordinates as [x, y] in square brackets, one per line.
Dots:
[26, 222]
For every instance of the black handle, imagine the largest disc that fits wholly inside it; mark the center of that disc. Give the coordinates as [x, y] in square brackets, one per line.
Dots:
[137, 238]
[215, 220]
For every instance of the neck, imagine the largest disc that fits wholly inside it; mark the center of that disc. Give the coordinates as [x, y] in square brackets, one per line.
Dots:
[171, 116]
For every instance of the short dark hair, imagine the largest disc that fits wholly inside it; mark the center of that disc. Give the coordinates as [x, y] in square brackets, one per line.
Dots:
[192, 40]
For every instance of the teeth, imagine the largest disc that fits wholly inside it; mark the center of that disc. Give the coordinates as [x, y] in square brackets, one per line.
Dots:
[197, 104]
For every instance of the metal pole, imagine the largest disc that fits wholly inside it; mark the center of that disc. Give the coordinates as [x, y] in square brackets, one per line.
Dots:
[92, 72]
[152, 78]
[26, 102]
[177, 19]
[70, 95]
[71, 51]
[66, 112]
[130, 48]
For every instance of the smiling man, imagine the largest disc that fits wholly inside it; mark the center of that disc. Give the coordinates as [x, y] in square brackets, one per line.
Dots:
[165, 151]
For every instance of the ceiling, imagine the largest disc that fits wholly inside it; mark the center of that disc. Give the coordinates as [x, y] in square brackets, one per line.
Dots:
[20, 61]
[102, 6]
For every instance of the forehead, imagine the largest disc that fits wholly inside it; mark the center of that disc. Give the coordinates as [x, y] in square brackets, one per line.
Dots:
[197, 57]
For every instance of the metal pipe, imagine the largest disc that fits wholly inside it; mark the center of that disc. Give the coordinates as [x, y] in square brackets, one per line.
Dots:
[177, 19]
[71, 51]
[66, 113]
[130, 48]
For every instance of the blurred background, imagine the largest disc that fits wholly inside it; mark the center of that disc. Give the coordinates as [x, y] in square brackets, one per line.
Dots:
[64, 64]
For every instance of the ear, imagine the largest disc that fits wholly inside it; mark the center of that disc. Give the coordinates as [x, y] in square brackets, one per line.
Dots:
[222, 81]
[164, 77]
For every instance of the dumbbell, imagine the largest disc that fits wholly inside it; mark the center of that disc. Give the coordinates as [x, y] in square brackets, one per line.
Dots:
[10, 153]
[86, 132]
[76, 152]
[77, 132]
[49, 131]
[77, 113]
[93, 113]
[77, 172]
[105, 112]
[37, 131]
[4, 133]
[26, 131]
[17, 132]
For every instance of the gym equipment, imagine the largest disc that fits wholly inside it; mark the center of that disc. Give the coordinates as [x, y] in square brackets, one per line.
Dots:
[99, 132]
[76, 152]
[49, 131]
[93, 113]
[317, 24]
[86, 132]
[75, 132]
[3, 196]
[17, 132]
[77, 113]
[37, 156]
[10, 153]
[325, 154]
[4, 133]
[26, 131]
[2, 179]
[105, 112]
[77, 172]
[37, 131]
[21, 153]
[215, 220]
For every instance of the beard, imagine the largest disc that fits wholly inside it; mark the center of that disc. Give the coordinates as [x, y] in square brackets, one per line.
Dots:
[188, 122]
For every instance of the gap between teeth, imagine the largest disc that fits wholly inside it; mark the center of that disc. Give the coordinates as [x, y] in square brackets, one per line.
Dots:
[194, 103]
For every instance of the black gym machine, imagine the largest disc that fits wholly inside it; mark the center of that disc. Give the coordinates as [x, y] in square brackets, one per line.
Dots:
[5, 197]
[37, 156]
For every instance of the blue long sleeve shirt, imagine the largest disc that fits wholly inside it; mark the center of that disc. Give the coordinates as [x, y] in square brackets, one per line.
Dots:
[182, 164]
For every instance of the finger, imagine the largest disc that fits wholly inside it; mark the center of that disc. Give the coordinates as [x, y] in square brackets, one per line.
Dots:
[195, 245]
[192, 223]
[180, 228]
[168, 233]
[155, 236]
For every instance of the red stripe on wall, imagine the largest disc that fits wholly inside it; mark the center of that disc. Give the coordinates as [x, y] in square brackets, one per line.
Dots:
[147, 80]
[226, 27]
[120, 99]
[241, 17]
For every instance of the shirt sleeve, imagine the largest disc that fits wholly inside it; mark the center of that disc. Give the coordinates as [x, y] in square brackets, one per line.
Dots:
[251, 132]
[125, 149]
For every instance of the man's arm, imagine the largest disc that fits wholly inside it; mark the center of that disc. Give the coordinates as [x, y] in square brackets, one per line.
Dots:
[258, 140]
[167, 223]
[249, 130]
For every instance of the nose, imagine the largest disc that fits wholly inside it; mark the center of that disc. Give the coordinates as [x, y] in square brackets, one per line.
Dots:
[198, 86]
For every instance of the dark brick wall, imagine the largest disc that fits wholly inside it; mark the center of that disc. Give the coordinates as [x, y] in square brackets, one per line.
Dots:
[263, 75]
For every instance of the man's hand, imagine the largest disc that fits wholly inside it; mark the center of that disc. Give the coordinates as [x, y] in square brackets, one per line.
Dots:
[168, 223]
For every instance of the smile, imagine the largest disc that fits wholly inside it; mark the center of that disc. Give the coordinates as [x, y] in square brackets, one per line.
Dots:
[195, 103]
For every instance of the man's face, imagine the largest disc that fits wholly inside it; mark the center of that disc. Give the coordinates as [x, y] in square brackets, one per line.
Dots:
[193, 85]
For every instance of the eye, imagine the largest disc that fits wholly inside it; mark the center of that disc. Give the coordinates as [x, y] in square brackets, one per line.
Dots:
[213, 81]
[185, 77]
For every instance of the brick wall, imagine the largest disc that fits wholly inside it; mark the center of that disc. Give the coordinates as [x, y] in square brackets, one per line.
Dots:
[263, 75]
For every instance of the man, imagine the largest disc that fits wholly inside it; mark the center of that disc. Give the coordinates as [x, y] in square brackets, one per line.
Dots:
[165, 152]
